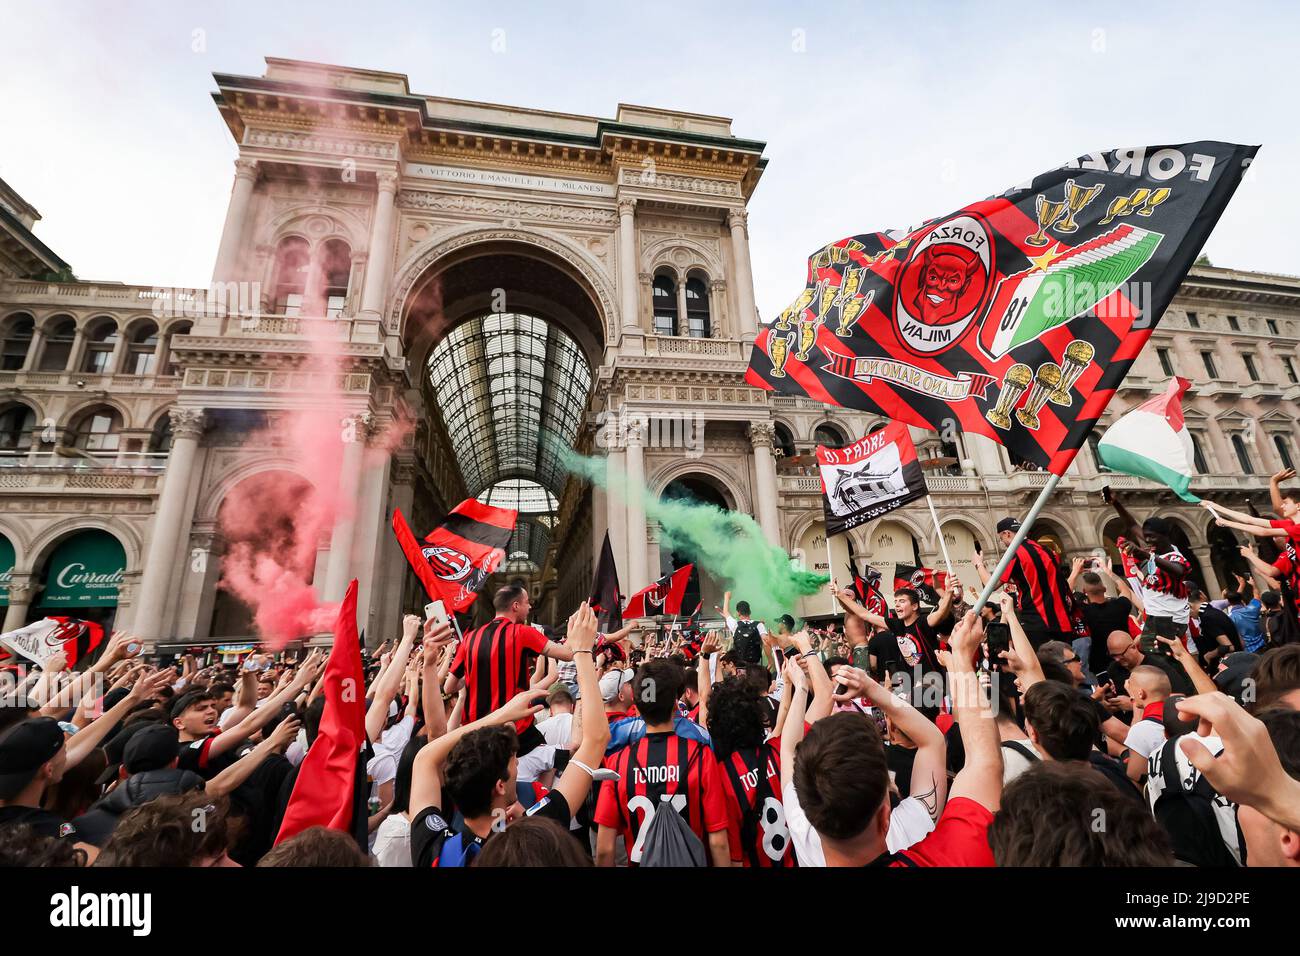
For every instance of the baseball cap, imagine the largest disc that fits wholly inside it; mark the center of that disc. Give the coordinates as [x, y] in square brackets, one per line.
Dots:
[152, 747]
[24, 749]
[1238, 667]
[613, 682]
[1008, 524]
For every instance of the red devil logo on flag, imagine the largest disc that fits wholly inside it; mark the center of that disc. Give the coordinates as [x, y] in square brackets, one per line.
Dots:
[663, 597]
[458, 555]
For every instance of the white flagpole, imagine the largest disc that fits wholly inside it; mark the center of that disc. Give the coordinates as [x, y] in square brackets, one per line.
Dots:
[830, 569]
[1007, 555]
[942, 543]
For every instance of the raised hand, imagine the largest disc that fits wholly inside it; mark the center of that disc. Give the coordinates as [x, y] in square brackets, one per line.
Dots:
[524, 704]
[410, 627]
[581, 633]
[851, 683]
[437, 633]
[284, 733]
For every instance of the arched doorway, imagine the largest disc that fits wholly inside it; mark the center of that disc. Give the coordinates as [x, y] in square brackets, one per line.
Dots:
[81, 577]
[702, 590]
[508, 336]
[1225, 558]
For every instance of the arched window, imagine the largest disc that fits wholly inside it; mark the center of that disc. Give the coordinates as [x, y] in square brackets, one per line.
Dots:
[142, 351]
[665, 305]
[160, 439]
[17, 339]
[829, 436]
[101, 340]
[60, 334]
[1283, 451]
[99, 432]
[784, 441]
[170, 367]
[697, 309]
[292, 263]
[1243, 456]
[950, 445]
[336, 269]
[17, 422]
[1094, 440]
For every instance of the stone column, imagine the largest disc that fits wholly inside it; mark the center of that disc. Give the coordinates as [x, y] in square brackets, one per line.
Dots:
[119, 349]
[22, 589]
[761, 436]
[33, 349]
[156, 585]
[627, 265]
[717, 318]
[653, 557]
[634, 438]
[747, 323]
[380, 264]
[616, 512]
[232, 235]
[683, 327]
[338, 572]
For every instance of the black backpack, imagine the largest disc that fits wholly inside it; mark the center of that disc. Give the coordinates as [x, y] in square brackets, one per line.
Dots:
[748, 642]
[1189, 816]
[1113, 770]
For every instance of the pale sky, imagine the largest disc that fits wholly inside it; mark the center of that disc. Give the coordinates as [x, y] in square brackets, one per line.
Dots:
[877, 115]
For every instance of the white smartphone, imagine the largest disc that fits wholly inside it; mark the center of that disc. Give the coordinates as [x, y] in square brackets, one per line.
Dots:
[436, 611]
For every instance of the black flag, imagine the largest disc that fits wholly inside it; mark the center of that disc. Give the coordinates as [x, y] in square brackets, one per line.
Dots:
[606, 599]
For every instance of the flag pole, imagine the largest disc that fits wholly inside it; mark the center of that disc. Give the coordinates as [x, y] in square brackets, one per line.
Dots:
[942, 543]
[830, 565]
[1010, 552]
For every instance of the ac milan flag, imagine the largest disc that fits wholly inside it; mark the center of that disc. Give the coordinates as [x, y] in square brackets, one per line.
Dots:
[41, 640]
[605, 600]
[868, 590]
[1017, 316]
[869, 478]
[663, 597]
[925, 581]
[460, 553]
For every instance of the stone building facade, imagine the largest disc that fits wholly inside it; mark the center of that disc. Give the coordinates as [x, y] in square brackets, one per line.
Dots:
[499, 274]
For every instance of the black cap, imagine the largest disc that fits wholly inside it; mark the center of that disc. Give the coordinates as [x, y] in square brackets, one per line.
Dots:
[152, 747]
[1237, 668]
[24, 749]
[186, 701]
[1008, 524]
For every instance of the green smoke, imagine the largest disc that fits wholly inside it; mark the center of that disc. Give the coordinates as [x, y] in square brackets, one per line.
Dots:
[727, 544]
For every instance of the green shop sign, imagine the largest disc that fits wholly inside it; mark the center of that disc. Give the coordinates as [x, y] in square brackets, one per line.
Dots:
[6, 569]
[85, 571]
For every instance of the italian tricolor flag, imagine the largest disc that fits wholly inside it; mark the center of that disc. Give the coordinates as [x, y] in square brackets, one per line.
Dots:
[1152, 441]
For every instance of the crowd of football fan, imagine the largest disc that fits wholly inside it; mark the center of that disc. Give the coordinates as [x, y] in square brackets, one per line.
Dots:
[1089, 714]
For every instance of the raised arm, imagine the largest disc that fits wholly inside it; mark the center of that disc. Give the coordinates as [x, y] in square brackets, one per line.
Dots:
[390, 681]
[704, 674]
[1134, 526]
[822, 688]
[797, 687]
[847, 601]
[1260, 566]
[981, 777]
[1027, 666]
[1221, 513]
[262, 716]
[437, 638]
[936, 617]
[1202, 681]
[90, 737]
[239, 771]
[1275, 488]
[575, 784]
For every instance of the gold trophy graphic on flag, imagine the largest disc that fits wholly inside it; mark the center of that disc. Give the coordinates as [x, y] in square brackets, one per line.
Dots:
[1013, 386]
[778, 347]
[1123, 205]
[1049, 211]
[1047, 378]
[1078, 356]
[1076, 197]
[795, 310]
[846, 299]
[807, 335]
[1155, 199]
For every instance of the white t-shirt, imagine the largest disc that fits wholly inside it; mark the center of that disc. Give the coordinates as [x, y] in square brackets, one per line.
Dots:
[556, 729]
[1015, 763]
[535, 763]
[1145, 736]
[909, 824]
[392, 846]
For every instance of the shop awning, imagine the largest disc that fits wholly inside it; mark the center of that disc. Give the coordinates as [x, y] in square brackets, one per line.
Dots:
[6, 569]
[86, 570]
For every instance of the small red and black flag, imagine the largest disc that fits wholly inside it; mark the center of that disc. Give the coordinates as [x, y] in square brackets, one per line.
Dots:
[869, 478]
[606, 600]
[1015, 317]
[80, 645]
[663, 597]
[867, 589]
[460, 553]
[927, 582]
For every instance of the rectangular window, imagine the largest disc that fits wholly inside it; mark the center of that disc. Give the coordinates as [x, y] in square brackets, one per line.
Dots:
[1193, 321]
[1210, 369]
[1233, 323]
[334, 306]
[1250, 366]
[1198, 457]
[1290, 370]
[1272, 326]
[1166, 364]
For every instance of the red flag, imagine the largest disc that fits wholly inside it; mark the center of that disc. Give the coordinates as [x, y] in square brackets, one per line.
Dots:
[88, 636]
[928, 582]
[460, 553]
[323, 793]
[663, 597]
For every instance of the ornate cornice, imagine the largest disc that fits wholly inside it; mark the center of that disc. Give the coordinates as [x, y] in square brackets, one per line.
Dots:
[506, 208]
[313, 142]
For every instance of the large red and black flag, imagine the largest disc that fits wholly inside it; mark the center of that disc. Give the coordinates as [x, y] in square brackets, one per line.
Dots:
[39, 641]
[606, 600]
[460, 553]
[1017, 316]
[869, 478]
[663, 597]
[927, 582]
[867, 589]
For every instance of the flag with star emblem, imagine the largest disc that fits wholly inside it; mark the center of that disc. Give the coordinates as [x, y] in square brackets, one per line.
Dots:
[1016, 317]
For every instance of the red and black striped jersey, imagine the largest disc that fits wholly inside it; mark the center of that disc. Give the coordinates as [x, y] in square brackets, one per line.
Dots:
[1164, 595]
[1042, 585]
[659, 770]
[756, 828]
[493, 662]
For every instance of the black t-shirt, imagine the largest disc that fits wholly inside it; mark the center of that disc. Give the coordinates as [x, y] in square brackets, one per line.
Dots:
[1214, 624]
[914, 644]
[1103, 620]
[430, 832]
[196, 757]
[899, 760]
[1178, 680]
[45, 824]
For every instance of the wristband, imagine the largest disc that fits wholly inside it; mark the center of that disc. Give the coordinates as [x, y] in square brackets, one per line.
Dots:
[584, 652]
[809, 654]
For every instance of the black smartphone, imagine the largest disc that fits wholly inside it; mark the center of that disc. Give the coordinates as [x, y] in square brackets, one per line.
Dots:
[998, 637]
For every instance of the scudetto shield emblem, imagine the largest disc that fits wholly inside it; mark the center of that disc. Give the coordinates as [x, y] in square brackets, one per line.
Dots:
[448, 563]
[918, 578]
[944, 285]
